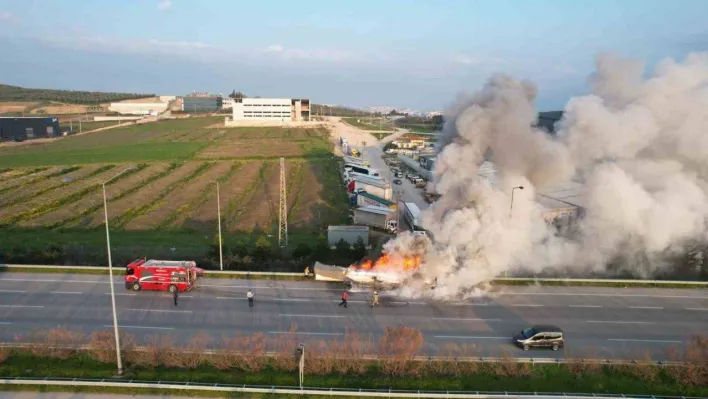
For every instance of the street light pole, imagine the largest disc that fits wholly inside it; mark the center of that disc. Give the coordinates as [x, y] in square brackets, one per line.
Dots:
[218, 210]
[511, 206]
[110, 274]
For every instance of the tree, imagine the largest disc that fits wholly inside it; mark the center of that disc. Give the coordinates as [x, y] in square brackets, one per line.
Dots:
[302, 251]
[236, 94]
[359, 250]
[263, 249]
[343, 252]
[438, 121]
[322, 252]
[390, 146]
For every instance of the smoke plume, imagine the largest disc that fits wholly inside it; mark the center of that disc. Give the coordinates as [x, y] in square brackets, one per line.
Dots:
[638, 145]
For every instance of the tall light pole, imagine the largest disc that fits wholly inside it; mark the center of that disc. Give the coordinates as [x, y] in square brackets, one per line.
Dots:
[218, 210]
[511, 206]
[110, 272]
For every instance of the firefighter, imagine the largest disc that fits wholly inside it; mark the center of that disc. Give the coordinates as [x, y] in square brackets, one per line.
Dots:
[375, 299]
[249, 295]
[175, 295]
[344, 300]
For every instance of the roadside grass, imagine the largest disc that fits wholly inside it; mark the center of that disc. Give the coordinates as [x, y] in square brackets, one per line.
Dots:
[372, 375]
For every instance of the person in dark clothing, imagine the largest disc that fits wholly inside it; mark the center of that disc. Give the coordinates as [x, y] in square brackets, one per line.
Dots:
[175, 294]
[344, 300]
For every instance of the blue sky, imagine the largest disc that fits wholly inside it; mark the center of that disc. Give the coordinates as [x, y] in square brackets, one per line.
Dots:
[416, 54]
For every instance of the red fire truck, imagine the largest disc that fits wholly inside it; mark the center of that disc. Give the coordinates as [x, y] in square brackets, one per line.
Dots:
[161, 275]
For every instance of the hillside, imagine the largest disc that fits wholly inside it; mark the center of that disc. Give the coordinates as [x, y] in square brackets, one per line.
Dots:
[16, 93]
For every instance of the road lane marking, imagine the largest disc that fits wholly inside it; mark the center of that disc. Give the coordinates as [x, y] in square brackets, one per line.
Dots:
[302, 333]
[585, 306]
[160, 310]
[291, 300]
[141, 327]
[266, 287]
[311, 315]
[463, 319]
[646, 307]
[5, 323]
[527, 305]
[54, 281]
[469, 304]
[21, 306]
[463, 337]
[619, 322]
[605, 295]
[66, 292]
[696, 308]
[13, 291]
[108, 293]
[645, 340]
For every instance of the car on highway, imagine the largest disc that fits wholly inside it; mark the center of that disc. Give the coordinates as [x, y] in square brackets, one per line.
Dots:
[397, 181]
[540, 336]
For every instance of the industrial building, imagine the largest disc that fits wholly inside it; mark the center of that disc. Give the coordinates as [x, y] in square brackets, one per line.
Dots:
[271, 109]
[367, 199]
[202, 103]
[27, 128]
[136, 108]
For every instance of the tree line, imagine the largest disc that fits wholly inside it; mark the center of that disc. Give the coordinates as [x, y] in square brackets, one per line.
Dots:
[16, 93]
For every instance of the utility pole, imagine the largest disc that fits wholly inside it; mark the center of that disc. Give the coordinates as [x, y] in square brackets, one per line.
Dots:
[301, 363]
[511, 206]
[283, 225]
[218, 210]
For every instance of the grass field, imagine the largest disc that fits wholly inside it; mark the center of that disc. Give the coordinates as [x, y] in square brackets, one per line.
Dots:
[165, 204]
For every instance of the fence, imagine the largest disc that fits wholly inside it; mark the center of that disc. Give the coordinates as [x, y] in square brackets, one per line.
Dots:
[217, 273]
[313, 391]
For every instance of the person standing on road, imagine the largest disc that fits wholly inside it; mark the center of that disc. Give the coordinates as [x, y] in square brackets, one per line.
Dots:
[375, 299]
[344, 300]
[175, 294]
[249, 295]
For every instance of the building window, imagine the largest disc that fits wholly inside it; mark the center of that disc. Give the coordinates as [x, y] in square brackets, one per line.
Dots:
[29, 132]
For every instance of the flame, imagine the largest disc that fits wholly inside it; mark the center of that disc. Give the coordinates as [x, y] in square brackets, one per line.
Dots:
[386, 262]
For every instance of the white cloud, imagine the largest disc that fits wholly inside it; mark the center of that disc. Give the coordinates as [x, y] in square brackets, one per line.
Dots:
[164, 5]
[310, 55]
[6, 16]
[466, 59]
[132, 46]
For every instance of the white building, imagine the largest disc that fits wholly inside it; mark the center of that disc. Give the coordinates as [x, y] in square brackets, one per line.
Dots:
[271, 109]
[138, 108]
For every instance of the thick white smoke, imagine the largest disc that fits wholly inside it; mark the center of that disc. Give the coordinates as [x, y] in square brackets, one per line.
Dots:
[640, 146]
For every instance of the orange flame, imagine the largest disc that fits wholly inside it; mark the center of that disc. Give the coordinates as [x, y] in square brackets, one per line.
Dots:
[386, 262]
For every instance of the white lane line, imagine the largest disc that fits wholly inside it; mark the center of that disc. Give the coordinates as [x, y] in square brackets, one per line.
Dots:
[645, 340]
[21, 306]
[108, 293]
[141, 327]
[463, 337]
[291, 300]
[469, 304]
[303, 333]
[266, 288]
[696, 308]
[311, 315]
[585, 306]
[54, 281]
[66, 292]
[527, 305]
[5, 323]
[619, 322]
[160, 310]
[646, 307]
[12, 291]
[463, 319]
[230, 297]
[604, 295]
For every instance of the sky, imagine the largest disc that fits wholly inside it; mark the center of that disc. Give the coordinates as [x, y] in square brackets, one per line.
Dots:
[406, 54]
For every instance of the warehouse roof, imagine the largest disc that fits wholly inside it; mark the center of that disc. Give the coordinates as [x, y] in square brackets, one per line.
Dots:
[377, 199]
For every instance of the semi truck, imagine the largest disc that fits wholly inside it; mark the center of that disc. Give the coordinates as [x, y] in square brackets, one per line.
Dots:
[355, 161]
[377, 217]
[376, 187]
[411, 213]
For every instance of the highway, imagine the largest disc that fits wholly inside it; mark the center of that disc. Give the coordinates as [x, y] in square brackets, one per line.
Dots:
[604, 322]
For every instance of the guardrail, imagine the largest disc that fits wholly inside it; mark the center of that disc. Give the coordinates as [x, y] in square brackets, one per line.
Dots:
[285, 274]
[470, 359]
[314, 391]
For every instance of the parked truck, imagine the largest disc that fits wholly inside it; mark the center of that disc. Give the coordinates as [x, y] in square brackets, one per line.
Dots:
[376, 217]
[411, 212]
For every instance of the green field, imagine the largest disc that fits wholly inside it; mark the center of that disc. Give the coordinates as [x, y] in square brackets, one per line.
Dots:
[165, 204]
[365, 123]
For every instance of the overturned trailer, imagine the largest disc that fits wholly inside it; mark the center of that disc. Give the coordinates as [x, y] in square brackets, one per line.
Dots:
[366, 279]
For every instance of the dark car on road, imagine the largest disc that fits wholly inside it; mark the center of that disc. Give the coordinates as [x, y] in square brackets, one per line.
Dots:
[540, 336]
[397, 181]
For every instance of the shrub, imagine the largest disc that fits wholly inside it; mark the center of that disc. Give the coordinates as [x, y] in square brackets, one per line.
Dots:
[103, 346]
[397, 348]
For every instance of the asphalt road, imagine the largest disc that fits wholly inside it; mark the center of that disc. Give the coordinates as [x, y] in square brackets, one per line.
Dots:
[608, 322]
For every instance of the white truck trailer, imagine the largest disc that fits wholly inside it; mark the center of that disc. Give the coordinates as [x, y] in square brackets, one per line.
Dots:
[411, 212]
[377, 217]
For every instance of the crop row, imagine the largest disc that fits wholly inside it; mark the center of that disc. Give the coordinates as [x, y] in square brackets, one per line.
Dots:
[239, 204]
[38, 179]
[133, 213]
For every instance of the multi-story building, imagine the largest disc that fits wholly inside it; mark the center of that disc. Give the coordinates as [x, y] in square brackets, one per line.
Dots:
[271, 109]
[201, 103]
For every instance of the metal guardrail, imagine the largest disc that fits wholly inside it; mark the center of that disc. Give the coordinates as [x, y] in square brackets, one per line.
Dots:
[284, 274]
[287, 390]
[470, 359]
